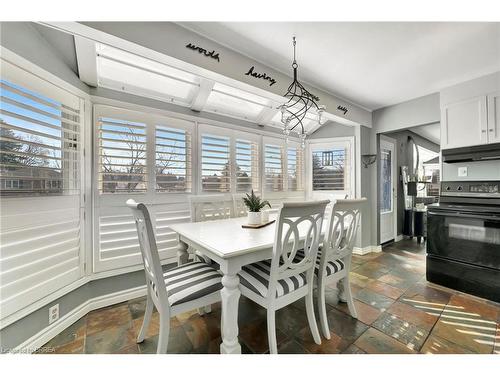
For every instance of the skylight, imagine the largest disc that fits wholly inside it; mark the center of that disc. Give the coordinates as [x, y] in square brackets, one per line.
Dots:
[233, 102]
[124, 71]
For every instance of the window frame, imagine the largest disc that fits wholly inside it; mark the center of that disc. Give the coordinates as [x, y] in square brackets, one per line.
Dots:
[322, 143]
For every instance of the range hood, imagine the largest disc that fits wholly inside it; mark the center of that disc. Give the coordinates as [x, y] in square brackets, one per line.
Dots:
[474, 153]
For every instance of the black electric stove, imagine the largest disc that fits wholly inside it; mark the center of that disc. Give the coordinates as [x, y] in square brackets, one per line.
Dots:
[463, 233]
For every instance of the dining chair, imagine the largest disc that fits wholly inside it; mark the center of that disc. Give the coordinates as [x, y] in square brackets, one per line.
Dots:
[280, 281]
[333, 262]
[180, 289]
[239, 208]
[211, 207]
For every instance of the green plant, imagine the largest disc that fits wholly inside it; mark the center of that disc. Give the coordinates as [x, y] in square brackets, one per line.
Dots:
[254, 203]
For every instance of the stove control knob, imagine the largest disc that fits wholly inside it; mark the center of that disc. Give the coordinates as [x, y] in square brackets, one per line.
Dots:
[460, 188]
[448, 188]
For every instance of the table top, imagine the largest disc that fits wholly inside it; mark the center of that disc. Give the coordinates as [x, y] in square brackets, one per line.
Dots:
[226, 238]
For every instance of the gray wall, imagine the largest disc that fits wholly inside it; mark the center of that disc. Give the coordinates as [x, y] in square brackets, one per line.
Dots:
[24, 39]
[419, 111]
[333, 129]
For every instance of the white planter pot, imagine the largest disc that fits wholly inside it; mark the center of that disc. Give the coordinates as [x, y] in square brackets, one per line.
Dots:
[254, 218]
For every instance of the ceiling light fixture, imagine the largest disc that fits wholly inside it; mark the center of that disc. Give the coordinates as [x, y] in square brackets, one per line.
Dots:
[300, 102]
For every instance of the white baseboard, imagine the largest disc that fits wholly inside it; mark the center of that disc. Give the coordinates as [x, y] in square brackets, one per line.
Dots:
[48, 333]
[367, 250]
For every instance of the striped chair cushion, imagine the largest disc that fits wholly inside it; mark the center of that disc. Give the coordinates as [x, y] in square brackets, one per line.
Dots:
[332, 266]
[191, 281]
[255, 277]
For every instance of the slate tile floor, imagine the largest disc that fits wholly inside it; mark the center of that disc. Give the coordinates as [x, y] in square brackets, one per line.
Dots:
[398, 312]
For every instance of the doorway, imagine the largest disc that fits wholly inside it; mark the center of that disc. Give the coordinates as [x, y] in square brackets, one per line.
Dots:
[388, 189]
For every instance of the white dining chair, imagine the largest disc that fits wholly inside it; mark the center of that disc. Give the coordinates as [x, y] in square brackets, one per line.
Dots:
[180, 289]
[211, 207]
[282, 280]
[333, 263]
[239, 208]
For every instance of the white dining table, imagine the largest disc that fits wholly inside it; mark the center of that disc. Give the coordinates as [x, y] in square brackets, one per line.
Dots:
[232, 247]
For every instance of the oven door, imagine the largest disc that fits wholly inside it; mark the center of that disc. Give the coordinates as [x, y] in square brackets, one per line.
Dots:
[465, 237]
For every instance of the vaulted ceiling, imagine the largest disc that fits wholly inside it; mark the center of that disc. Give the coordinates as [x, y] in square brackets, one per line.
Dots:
[374, 64]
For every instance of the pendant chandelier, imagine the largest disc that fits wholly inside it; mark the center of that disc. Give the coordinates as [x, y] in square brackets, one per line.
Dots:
[300, 102]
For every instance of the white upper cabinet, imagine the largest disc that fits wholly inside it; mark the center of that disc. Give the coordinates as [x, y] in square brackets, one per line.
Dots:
[464, 123]
[470, 112]
[494, 117]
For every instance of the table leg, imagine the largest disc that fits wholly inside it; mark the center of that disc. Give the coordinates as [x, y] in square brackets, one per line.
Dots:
[229, 323]
[182, 253]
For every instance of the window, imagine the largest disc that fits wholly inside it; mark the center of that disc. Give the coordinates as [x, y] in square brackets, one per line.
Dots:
[215, 164]
[173, 160]
[428, 170]
[122, 156]
[331, 166]
[295, 164]
[247, 166]
[274, 166]
[40, 144]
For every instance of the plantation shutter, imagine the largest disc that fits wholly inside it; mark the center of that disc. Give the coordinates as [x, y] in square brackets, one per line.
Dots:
[295, 167]
[40, 182]
[215, 164]
[152, 158]
[173, 160]
[274, 167]
[122, 156]
[247, 166]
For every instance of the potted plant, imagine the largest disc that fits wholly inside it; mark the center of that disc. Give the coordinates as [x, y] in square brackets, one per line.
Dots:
[254, 205]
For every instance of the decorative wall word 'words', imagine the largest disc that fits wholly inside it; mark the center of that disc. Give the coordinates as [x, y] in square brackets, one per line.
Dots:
[203, 51]
[263, 76]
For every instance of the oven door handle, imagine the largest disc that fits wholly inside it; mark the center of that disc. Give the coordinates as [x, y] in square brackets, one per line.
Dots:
[470, 216]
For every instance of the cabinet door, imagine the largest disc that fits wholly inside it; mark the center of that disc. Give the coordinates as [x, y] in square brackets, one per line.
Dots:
[464, 123]
[494, 117]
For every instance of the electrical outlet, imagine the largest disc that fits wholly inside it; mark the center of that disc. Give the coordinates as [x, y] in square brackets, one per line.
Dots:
[462, 171]
[53, 313]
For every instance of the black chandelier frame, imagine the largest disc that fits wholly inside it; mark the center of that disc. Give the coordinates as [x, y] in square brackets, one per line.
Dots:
[300, 101]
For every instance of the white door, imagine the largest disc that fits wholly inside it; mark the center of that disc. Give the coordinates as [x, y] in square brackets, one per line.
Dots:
[387, 184]
[464, 123]
[494, 118]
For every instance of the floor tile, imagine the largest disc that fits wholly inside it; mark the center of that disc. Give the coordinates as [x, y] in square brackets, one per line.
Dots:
[372, 270]
[290, 346]
[254, 335]
[470, 324]
[407, 333]
[106, 318]
[375, 342]
[178, 343]
[74, 332]
[366, 313]
[330, 346]
[421, 317]
[291, 320]
[437, 345]
[353, 349]
[345, 326]
[375, 300]
[385, 289]
[73, 347]
[110, 340]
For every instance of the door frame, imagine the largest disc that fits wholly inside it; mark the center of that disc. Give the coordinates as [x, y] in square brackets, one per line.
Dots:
[395, 179]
